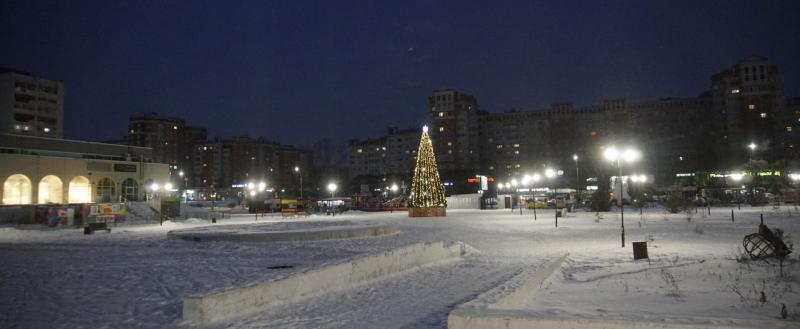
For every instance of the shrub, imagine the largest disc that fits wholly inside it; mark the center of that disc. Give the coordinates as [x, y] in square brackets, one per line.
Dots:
[675, 203]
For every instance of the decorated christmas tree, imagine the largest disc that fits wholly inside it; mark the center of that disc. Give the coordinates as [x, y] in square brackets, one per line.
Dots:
[427, 194]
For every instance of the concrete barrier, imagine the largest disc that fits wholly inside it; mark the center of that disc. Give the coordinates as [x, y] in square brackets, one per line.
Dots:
[503, 308]
[218, 307]
[329, 233]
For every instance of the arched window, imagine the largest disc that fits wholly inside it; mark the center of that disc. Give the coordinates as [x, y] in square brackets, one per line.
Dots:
[17, 190]
[51, 190]
[130, 190]
[79, 190]
[105, 190]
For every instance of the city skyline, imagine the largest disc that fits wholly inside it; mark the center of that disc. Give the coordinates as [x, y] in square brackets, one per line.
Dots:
[299, 73]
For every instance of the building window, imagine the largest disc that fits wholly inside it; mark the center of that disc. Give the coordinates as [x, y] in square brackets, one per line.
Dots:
[50, 190]
[441, 129]
[763, 115]
[516, 145]
[751, 107]
[360, 150]
[735, 91]
[17, 190]
[105, 190]
[79, 190]
[788, 128]
[441, 114]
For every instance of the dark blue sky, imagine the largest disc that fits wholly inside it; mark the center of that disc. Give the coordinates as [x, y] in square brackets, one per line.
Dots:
[298, 71]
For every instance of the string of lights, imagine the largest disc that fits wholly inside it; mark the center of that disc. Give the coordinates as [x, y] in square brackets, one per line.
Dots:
[426, 187]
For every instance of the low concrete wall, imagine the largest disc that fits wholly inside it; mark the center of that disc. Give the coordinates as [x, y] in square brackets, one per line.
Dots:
[341, 232]
[521, 320]
[218, 307]
[502, 308]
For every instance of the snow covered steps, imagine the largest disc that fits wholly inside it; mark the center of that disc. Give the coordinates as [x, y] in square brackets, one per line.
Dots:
[218, 307]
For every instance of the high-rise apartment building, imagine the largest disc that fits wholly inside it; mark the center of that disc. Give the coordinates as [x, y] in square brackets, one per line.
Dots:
[454, 129]
[170, 138]
[31, 105]
[678, 136]
[749, 100]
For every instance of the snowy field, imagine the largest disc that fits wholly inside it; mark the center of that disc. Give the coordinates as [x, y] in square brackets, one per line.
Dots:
[136, 277]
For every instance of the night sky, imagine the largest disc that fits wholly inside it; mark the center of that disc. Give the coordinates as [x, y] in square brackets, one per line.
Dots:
[298, 71]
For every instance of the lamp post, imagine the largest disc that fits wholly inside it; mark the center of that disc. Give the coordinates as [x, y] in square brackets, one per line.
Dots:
[297, 170]
[514, 185]
[181, 185]
[332, 188]
[552, 175]
[577, 179]
[616, 156]
[737, 177]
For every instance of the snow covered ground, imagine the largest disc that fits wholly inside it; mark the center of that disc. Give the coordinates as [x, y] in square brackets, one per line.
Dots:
[136, 277]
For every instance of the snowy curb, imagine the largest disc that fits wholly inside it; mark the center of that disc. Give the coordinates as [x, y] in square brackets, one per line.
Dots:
[345, 232]
[218, 307]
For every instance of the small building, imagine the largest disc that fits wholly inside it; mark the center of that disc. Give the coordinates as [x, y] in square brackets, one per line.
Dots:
[41, 170]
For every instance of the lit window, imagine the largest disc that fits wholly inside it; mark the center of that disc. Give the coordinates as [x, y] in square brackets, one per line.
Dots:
[517, 166]
[131, 131]
[516, 145]
[175, 127]
[441, 129]
[763, 115]
[789, 128]
[383, 148]
[441, 114]
[449, 143]
[516, 152]
[449, 151]
[47, 130]
[751, 107]
[734, 91]
[205, 148]
[360, 150]
[17, 127]
[25, 128]
[499, 146]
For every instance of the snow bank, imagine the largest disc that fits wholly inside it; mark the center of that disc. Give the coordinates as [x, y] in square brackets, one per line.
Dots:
[217, 307]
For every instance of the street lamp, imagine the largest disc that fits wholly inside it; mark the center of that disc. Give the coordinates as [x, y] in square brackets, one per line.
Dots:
[628, 155]
[332, 188]
[577, 179]
[514, 185]
[737, 177]
[297, 170]
[752, 148]
[552, 174]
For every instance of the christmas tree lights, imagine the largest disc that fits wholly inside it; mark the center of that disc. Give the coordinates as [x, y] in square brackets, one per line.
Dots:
[426, 188]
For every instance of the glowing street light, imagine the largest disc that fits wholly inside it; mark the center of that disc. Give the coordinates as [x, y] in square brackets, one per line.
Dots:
[297, 170]
[168, 187]
[394, 188]
[332, 188]
[154, 187]
[628, 155]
